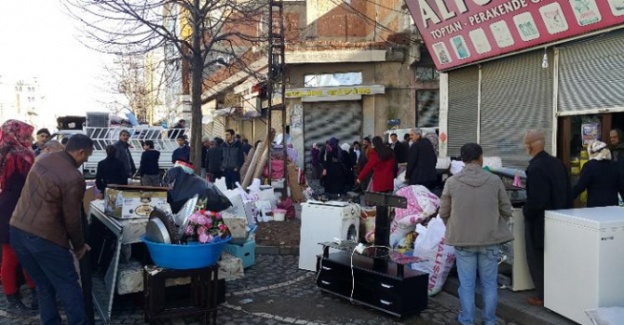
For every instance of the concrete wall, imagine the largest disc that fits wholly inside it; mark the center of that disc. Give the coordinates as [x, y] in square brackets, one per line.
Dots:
[397, 103]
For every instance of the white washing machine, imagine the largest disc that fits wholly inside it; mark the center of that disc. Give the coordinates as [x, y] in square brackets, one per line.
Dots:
[322, 222]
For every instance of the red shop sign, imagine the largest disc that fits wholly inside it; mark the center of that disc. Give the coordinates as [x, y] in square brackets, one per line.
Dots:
[459, 32]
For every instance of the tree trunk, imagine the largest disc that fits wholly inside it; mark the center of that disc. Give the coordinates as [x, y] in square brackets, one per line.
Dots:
[197, 68]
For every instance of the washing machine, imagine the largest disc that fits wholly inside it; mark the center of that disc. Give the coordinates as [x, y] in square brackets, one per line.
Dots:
[322, 222]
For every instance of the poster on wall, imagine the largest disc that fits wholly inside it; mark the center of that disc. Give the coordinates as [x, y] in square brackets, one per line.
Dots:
[590, 133]
[461, 32]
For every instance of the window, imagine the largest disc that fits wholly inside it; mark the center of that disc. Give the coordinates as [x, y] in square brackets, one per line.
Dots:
[333, 79]
[424, 74]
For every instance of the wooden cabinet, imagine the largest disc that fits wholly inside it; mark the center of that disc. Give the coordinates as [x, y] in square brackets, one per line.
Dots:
[376, 283]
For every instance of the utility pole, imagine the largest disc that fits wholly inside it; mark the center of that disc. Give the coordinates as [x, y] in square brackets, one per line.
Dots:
[276, 83]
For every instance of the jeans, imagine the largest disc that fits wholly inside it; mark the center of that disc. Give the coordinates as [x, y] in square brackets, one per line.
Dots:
[231, 177]
[52, 268]
[483, 259]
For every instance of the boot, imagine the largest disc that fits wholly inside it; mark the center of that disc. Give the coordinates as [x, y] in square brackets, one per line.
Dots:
[34, 299]
[16, 305]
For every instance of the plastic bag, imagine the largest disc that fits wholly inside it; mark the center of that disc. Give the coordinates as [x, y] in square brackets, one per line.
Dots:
[421, 204]
[436, 258]
[183, 186]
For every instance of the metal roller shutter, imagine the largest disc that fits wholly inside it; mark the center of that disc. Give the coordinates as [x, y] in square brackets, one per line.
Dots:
[207, 130]
[218, 127]
[463, 103]
[324, 120]
[591, 74]
[516, 95]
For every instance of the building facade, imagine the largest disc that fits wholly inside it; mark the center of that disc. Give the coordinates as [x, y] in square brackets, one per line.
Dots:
[353, 69]
[21, 99]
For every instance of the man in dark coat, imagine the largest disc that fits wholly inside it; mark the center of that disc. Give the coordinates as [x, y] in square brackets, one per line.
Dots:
[400, 150]
[183, 152]
[123, 153]
[177, 130]
[548, 188]
[233, 159]
[214, 157]
[421, 162]
[110, 170]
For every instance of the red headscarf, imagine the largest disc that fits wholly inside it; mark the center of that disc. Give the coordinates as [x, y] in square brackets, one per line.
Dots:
[15, 152]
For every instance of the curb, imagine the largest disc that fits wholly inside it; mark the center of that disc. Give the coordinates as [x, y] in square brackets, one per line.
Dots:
[277, 250]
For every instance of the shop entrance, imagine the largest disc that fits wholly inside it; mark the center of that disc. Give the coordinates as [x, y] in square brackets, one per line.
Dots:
[575, 132]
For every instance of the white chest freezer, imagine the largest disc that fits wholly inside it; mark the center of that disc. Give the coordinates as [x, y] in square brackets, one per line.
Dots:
[583, 261]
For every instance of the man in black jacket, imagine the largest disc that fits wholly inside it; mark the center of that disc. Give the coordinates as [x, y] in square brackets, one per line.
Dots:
[400, 150]
[213, 161]
[123, 153]
[233, 159]
[183, 152]
[421, 162]
[111, 170]
[548, 188]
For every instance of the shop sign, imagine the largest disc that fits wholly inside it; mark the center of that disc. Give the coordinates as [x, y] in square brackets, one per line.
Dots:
[459, 32]
[334, 91]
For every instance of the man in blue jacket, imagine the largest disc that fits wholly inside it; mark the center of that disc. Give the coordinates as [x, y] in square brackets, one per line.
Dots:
[233, 159]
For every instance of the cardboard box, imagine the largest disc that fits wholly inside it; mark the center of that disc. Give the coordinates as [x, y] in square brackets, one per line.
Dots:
[88, 197]
[134, 202]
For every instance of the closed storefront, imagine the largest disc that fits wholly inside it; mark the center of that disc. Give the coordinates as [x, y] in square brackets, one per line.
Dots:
[463, 103]
[516, 95]
[495, 103]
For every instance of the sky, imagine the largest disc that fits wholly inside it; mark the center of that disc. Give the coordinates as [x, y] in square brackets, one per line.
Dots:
[39, 40]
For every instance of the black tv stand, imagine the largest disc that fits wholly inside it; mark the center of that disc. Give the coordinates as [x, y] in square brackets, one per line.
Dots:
[377, 278]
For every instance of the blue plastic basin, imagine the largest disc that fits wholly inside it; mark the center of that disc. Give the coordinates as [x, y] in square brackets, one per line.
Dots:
[184, 257]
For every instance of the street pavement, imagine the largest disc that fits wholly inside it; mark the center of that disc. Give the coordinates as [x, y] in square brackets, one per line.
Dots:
[274, 292]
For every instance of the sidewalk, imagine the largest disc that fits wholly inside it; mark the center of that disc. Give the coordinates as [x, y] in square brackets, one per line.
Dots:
[512, 307]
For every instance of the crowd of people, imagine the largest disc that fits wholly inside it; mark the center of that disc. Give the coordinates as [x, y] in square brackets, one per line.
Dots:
[374, 164]
[41, 192]
[220, 158]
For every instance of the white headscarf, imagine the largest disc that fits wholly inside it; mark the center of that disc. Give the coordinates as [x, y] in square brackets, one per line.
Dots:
[599, 150]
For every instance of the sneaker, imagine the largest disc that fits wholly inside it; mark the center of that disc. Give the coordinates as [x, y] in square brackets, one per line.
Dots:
[17, 307]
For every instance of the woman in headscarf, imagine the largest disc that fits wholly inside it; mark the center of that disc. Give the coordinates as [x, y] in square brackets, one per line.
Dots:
[335, 171]
[382, 163]
[600, 177]
[16, 159]
[315, 156]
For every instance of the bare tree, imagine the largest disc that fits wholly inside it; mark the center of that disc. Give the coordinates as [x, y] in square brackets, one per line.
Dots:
[198, 35]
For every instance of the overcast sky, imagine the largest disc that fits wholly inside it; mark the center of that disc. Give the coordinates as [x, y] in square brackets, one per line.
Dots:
[39, 40]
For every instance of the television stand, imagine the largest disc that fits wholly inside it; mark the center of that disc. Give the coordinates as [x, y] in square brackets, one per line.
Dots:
[377, 278]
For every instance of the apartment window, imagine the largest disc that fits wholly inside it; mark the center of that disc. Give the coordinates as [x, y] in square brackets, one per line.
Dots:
[333, 79]
[424, 74]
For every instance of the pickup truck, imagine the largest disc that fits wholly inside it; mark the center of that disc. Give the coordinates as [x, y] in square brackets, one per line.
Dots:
[164, 141]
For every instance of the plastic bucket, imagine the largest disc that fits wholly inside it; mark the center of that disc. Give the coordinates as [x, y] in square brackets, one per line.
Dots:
[279, 214]
[184, 257]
